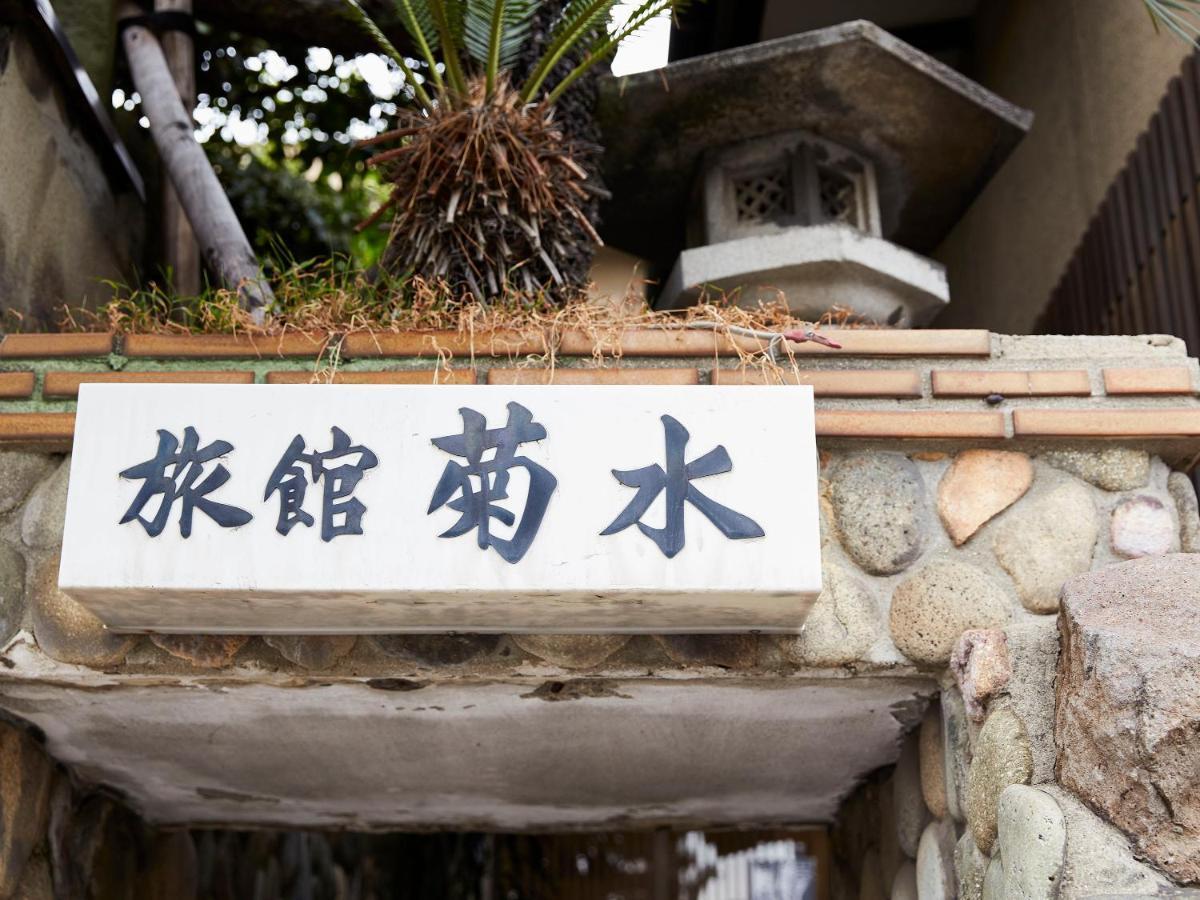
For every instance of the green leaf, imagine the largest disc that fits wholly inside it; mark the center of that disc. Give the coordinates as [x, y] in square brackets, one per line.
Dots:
[599, 46]
[494, 31]
[448, 17]
[417, 20]
[579, 18]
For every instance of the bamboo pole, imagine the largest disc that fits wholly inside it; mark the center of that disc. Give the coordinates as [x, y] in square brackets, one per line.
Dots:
[179, 242]
[223, 243]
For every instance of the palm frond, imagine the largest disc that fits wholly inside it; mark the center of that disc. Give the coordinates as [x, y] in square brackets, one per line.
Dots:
[418, 22]
[601, 44]
[1181, 17]
[448, 16]
[494, 32]
[578, 19]
[368, 25]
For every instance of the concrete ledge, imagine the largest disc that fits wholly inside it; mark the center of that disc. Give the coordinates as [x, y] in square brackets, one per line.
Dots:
[817, 268]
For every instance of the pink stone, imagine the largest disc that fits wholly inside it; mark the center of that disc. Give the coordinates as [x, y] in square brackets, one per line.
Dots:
[978, 486]
[981, 668]
[1142, 526]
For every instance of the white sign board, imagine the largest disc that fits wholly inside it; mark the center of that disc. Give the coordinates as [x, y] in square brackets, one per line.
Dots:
[361, 508]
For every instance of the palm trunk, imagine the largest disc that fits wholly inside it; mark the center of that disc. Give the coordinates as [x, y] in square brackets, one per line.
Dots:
[222, 241]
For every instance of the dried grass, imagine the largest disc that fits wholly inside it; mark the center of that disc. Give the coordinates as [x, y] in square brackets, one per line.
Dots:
[329, 299]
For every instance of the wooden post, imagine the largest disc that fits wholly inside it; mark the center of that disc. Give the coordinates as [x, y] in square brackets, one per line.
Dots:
[223, 243]
[180, 252]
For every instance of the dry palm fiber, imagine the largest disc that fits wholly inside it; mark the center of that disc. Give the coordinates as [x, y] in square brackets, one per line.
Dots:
[486, 196]
[575, 113]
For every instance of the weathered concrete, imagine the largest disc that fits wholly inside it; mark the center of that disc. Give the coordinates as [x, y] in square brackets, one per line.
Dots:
[843, 84]
[517, 752]
[1128, 703]
[816, 269]
[63, 226]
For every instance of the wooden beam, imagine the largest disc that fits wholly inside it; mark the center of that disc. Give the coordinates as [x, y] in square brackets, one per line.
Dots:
[180, 252]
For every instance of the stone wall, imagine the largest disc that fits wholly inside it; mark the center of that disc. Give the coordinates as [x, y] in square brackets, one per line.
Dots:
[1018, 773]
[63, 840]
[947, 540]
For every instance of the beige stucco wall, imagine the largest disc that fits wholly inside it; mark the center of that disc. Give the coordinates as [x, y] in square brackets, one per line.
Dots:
[62, 227]
[1093, 72]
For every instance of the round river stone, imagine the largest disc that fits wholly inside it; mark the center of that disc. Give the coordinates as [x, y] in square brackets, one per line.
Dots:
[1032, 835]
[970, 866]
[1047, 540]
[1113, 469]
[978, 486]
[1002, 757]
[67, 631]
[938, 603]
[842, 625]
[933, 765]
[935, 863]
[879, 506]
[19, 472]
[571, 651]
[46, 510]
[1142, 526]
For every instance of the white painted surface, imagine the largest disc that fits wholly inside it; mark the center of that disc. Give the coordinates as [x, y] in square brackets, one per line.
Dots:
[399, 575]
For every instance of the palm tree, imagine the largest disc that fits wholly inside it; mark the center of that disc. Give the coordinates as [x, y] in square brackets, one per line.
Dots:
[488, 195]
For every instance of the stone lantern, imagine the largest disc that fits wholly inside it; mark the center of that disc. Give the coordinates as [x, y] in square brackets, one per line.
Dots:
[819, 168]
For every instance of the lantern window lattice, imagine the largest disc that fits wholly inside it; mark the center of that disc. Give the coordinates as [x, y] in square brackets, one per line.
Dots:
[764, 185]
